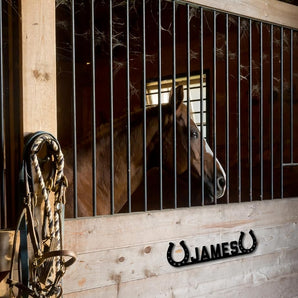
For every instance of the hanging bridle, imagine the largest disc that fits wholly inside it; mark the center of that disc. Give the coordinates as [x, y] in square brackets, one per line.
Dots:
[40, 276]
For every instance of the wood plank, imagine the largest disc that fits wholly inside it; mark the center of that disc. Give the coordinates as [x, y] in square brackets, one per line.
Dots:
[39, 66]
[38, 81]
[282, 286]
[110, 291]
[205, 279]
[266, 10]
[108, 232]
[6, 242]
[277, 250]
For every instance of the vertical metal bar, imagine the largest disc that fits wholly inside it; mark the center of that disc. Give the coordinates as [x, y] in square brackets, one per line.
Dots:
[112, 174]
[214, 108]
[227, 112]
[281, 111]
[160, 107]
[239, 106]
[128, 108]
[261, 113]
[144, 109]
[75, 167]
[188, 108]
[3, 211]
[250, 110]
[292, 97]
[271, 115]
[93, 112]
[201, 103]
[174, 105]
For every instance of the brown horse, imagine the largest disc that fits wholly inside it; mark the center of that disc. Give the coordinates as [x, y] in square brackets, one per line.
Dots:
[84, 192]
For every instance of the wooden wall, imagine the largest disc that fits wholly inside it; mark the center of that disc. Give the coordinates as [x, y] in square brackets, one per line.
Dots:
[125, 255]
[38, 92]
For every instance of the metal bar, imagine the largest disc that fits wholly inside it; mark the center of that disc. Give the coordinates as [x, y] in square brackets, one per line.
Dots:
[201, 103]
[128, 109]
[294, 164]
[188, 108]
[144, 109]
[160, 107]
[214, 108]
[174, 106]
[239, 107]
[271, 115]
[75, 167]
[292, 99]
[261, 114]
[93, 113]
[112, 173]
[3, 213]
[227, 112]
[281, 111]
[250, 110]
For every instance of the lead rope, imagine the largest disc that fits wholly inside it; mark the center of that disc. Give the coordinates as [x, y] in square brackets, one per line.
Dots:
[48, 265]
[53, 224]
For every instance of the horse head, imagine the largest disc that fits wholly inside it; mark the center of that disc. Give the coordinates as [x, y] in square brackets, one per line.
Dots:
[211, 182]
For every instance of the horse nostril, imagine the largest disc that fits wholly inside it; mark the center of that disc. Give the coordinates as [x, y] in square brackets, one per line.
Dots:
[221, 182]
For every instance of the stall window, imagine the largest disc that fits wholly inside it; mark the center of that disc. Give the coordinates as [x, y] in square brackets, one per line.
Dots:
[194, 92]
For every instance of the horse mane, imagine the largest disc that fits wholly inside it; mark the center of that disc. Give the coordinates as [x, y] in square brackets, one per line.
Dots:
[120, 123]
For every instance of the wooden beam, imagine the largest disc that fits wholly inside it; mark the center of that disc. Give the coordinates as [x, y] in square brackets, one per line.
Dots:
[272, 11]
[38, 66]
[38, 84]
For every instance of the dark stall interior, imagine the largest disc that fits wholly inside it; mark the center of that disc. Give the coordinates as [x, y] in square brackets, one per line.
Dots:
[255, 100]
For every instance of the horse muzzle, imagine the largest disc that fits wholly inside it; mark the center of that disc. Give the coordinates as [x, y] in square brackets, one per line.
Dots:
[219, 186]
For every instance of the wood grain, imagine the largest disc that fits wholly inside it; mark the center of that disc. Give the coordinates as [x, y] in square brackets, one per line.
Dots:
[39, 66]
[125, 254]
[272, 11]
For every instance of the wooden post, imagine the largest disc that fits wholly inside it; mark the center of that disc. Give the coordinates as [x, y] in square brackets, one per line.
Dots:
[38, 86]
[38, 66]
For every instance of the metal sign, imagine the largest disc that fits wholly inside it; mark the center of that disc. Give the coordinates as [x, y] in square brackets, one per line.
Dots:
[215, 252]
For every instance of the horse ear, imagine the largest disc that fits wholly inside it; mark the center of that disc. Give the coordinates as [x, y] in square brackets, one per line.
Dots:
[179, 96]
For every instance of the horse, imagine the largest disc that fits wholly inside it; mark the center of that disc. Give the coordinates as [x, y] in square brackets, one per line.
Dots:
[103, 169]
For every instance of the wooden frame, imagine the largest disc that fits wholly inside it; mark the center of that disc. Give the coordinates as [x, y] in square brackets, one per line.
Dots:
[271, 11]
[38, 87]
[39, 66]
[123, 254]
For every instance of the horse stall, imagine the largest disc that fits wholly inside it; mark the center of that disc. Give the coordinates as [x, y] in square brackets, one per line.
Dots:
[178, 124]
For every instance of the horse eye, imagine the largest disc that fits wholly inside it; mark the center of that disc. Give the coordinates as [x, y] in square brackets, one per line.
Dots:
[194, 134]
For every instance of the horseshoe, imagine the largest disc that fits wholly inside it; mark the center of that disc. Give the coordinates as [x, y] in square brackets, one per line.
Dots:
[254, 245]
[172, 261]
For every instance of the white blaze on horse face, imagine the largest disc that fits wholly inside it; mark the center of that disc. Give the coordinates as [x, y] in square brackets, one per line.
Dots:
[220, 171]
